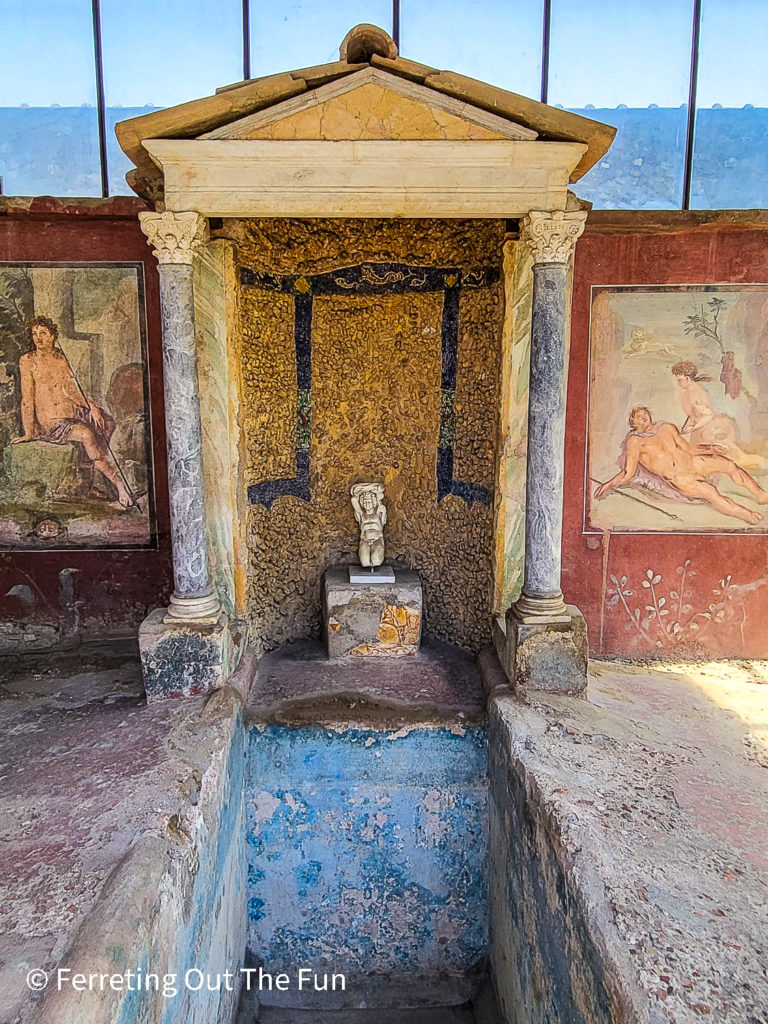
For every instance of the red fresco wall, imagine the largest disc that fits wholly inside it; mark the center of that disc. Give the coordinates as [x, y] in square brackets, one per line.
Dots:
[715, 586]
[96, 593]
[101, 593]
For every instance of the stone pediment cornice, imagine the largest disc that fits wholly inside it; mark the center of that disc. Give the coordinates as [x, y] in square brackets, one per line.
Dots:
[401, 98]
[233, 103]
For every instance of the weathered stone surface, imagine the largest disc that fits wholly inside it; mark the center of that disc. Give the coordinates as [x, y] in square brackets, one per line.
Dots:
[399, 178]
[628, 851]
[189, 120]
[372, 620]
[549, 960]
[122, 846]
[373, 110]
[193, 118]
[27, 637]
[185, 658]
[297, 684]
[549, 656]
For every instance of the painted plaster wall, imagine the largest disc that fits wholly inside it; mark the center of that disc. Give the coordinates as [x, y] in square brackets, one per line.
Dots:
[369, 350]
[719, 580]
[48, 598]
[366, 856]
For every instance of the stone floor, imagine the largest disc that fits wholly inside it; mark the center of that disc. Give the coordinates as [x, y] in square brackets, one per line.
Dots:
[659, 785]
[85, 767]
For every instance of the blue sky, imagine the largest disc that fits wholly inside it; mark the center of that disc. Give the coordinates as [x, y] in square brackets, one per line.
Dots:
[604, 52]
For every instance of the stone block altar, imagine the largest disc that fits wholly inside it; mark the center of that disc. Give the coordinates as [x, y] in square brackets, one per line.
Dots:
[364, 620]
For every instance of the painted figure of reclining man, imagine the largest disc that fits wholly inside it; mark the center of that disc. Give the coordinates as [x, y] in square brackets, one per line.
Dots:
[658, 458]
[54, 407]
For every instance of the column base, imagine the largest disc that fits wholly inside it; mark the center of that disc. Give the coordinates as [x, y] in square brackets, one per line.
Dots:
[186, 658]
[544, 655]
[194, 609]
[541, 609]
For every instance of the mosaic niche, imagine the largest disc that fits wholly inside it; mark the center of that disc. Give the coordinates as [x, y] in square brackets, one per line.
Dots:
[370, 350]
[75, 451]
[678, 409]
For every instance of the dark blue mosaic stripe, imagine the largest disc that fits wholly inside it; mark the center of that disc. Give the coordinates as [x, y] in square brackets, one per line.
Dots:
[297, 487]
[447, 485]
[372, 279]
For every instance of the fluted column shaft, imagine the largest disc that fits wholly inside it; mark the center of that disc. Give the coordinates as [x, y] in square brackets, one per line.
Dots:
[551, 237]
[174, 237]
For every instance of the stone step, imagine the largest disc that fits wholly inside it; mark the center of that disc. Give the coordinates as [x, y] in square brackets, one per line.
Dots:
[420, 1015]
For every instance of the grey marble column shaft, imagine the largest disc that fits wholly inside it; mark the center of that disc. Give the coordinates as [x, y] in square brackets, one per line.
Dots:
[191, 573]
[175, 237]
[551, 237]
[546, 432]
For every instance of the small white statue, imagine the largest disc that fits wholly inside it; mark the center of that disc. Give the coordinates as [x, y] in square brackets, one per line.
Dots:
[368, 506]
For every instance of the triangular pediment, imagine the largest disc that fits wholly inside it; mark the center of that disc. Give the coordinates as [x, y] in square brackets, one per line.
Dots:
[370, 96]
[372, 104]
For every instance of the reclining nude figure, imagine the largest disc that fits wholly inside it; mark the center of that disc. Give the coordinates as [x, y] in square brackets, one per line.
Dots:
[658, 458]
[54, 408]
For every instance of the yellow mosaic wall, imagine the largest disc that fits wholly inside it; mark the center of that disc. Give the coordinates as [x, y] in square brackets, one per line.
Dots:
[376, 409]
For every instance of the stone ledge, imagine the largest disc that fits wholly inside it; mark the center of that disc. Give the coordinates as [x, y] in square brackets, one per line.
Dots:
[132, 808]
[297, 685]
[636, 821]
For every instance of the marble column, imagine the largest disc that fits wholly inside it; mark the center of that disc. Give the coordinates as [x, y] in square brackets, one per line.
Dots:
[188, 648]
[551, 238]
[174, 238]
[546, 639]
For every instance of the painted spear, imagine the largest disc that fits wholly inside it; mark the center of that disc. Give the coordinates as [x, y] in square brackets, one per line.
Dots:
[640, 501]
[118, 467]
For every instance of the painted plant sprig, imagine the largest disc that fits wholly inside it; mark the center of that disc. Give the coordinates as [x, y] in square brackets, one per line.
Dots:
[705, 324]
[668, 619]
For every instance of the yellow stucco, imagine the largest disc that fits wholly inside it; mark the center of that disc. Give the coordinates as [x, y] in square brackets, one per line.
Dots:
[372, 112]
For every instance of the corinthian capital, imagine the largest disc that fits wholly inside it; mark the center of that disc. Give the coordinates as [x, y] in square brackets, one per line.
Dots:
[174, 236]
[552, 236]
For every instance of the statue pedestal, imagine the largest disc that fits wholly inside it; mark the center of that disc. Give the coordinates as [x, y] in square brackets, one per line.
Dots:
[371, 620]
[381, 574]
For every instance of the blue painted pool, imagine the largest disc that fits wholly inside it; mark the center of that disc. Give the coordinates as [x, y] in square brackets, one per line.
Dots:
[367, 850]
